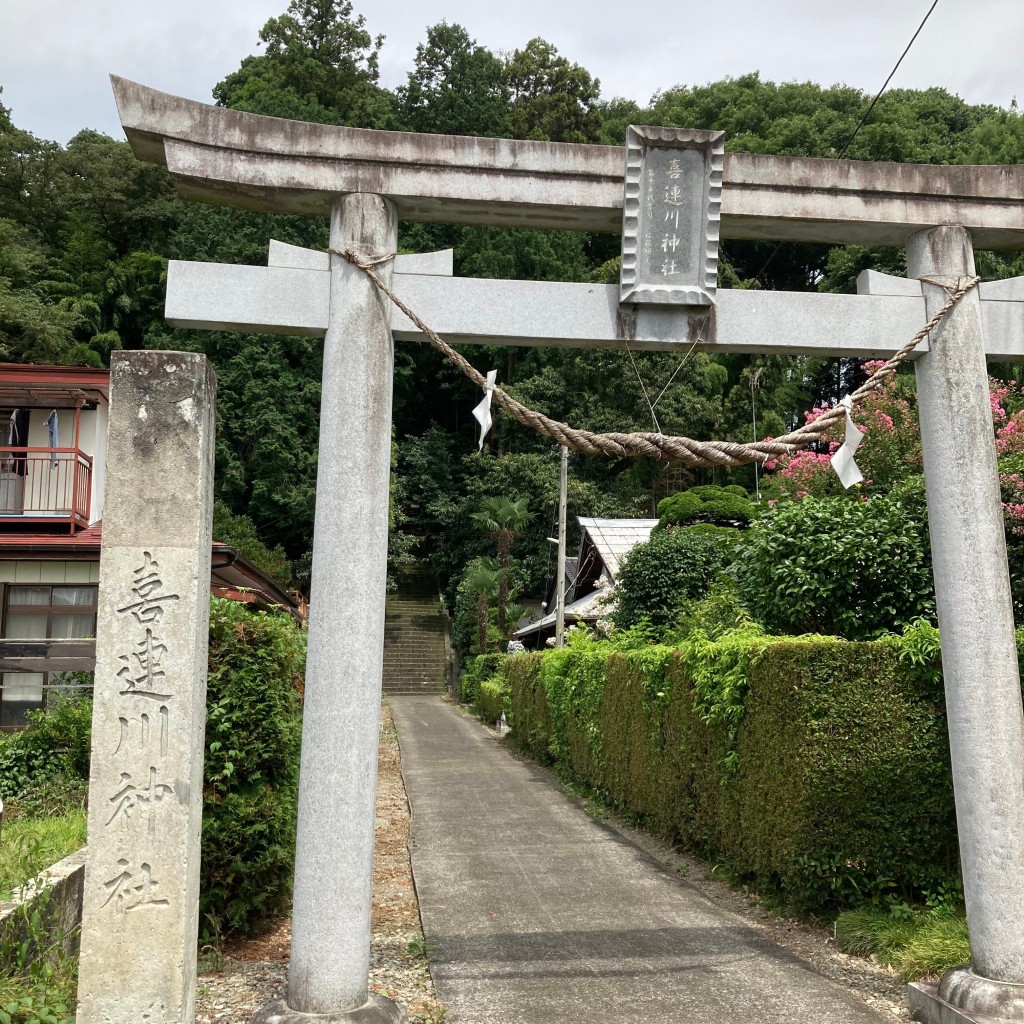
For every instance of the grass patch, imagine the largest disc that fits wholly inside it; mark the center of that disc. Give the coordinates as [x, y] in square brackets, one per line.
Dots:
[46, 996]
[38, 973]
[28, 845]
[921, 945]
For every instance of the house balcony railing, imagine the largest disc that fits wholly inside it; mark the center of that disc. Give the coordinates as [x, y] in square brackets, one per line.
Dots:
[45, 485]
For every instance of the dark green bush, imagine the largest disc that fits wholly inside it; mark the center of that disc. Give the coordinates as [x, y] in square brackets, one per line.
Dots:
[675, 566]
[253, 735]
[721, 506]
[478, 668]
[54, 746]
[814, 767]
[855, 569]
[483, 685]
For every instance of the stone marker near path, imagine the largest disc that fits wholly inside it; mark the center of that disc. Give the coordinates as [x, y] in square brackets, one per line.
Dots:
[140, 909]
[666, 301]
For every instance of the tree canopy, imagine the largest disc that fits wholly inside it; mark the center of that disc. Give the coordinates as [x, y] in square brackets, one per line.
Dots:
[86, 231]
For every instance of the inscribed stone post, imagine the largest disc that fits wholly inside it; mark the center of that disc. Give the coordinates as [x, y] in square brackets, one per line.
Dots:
[140, 913]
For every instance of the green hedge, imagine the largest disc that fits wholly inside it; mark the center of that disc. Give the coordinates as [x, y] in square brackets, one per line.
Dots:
[55, 746]
[478, 668]
[490, 700]
[813, 766]
[253, 735]
[483, 685]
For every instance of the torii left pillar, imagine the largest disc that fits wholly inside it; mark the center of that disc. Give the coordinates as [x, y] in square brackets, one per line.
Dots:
[330, 953]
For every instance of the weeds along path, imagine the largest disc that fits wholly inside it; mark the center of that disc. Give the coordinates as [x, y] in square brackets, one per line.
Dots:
[250, 973]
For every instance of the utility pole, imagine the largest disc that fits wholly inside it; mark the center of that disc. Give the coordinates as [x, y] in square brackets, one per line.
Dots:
[755, 383]
[563, 491]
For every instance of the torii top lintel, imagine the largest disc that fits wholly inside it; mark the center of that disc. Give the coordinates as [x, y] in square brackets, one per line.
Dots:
[229, 157]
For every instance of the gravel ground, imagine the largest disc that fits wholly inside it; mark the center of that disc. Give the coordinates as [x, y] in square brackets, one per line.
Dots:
[253, 971]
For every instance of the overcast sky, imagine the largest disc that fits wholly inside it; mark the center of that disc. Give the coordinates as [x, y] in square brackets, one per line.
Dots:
[55, 54]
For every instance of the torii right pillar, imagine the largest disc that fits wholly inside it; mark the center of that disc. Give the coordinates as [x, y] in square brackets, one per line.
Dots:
[979, 653]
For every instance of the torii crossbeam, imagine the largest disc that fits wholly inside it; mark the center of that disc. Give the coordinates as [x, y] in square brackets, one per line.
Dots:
[367, 181]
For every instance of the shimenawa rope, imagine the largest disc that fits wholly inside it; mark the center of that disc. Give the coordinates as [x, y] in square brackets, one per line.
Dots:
[705, 454]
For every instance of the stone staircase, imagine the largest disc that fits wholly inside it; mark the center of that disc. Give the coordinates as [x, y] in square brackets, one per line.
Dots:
[414, 636]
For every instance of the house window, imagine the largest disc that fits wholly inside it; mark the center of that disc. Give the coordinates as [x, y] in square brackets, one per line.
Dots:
[38, 613]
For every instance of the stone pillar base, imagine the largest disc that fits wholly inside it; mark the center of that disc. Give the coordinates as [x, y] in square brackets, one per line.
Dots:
[963, 997]
[376, 1010]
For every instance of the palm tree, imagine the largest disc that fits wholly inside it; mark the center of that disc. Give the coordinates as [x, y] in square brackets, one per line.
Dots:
[480, 582]
[503, 519]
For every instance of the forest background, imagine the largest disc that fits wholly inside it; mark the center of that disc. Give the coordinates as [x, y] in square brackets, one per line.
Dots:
[86, 231]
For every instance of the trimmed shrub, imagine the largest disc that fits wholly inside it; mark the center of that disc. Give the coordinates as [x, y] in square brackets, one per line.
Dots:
[815, 767]
[855, 569]
[721, 506]
[529, 716]
[853, 761]
[253, 735]
[478, 668]
[490, 701]
[675, 566]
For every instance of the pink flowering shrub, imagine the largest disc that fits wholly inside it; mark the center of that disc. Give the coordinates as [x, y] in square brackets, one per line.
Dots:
[1010, 436]
[1009, 426]
[997, 393]
[1011, 485]
[890, 451]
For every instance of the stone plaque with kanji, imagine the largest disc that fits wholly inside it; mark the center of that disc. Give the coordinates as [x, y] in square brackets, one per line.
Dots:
[670, 216]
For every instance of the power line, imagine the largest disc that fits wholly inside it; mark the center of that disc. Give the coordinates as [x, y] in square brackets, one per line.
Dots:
[885, 84]
[863, 120]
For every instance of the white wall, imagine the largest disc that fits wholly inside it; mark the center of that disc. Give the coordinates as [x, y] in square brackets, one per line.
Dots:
[29, 571]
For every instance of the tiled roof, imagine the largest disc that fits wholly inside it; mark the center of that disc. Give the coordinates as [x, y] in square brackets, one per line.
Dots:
[230, 571]
[49, 543]
[584, 610]
[615, 538]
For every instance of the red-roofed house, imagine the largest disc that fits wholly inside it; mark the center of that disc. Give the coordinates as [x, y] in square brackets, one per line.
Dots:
[51, 506]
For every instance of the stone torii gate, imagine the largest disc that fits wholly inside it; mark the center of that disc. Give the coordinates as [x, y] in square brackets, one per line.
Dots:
[367, 180]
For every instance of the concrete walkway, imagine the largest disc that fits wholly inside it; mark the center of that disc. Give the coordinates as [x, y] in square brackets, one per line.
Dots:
[538, 914]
